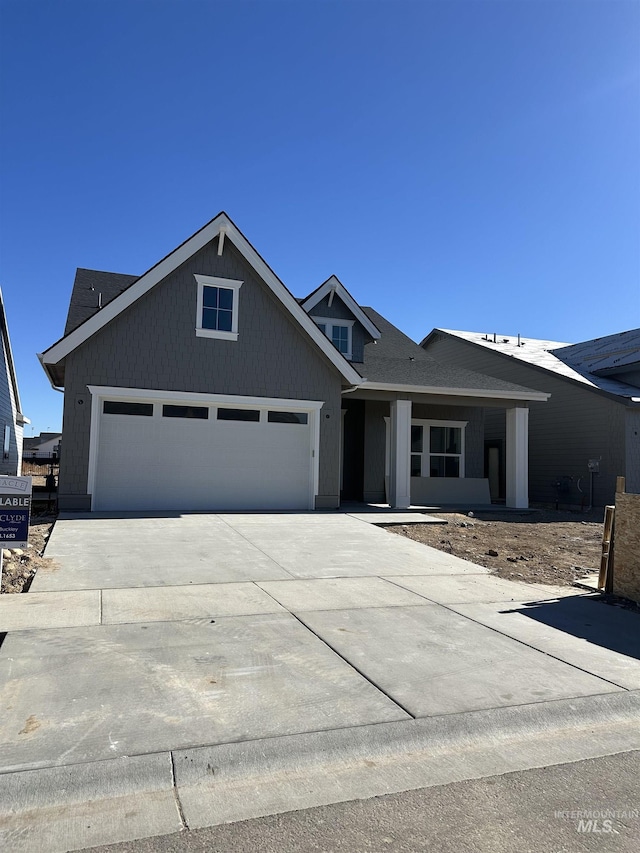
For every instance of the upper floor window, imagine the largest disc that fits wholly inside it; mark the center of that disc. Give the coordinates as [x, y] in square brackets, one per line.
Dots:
[217, 310]
[339, 333]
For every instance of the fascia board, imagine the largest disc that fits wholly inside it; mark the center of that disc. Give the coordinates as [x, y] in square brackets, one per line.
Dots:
[165, 267]
[536, 396]
[266, 273]
[146, 281]
[347, 298]
[153, 394]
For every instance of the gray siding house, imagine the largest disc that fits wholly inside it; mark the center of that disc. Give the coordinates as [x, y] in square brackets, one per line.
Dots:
[203, 384]
[12, 420]
[586, 435]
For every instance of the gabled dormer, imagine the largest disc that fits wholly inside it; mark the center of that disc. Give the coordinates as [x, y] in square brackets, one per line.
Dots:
[338, 315]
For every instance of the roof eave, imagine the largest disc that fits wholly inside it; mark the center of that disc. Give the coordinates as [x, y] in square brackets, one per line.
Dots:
[499, 394]
[165, 267]
[334, 283]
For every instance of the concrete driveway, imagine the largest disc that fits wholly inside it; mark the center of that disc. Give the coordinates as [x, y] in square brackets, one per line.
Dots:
[201, 668]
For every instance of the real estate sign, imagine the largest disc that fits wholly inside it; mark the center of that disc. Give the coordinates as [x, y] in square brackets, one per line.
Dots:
[15, 509]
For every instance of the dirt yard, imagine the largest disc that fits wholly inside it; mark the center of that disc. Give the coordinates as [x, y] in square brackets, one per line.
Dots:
[541, 546]
[19, 568]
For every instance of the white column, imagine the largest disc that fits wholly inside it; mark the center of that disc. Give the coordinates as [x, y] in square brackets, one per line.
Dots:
[399, 468]
[517, 453]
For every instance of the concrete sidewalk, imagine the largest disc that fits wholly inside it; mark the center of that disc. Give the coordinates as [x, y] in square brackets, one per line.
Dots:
[216, 667]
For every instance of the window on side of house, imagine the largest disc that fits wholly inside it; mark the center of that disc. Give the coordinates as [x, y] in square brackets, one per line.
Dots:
[437, 448]
[339, 333]
[217, 307]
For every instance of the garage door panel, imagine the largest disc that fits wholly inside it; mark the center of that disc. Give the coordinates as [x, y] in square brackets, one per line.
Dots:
[152, 463]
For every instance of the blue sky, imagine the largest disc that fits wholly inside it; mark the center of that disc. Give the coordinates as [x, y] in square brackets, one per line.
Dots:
[471, 165]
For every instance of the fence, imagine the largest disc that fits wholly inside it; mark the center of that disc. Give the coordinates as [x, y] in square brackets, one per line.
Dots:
[41, 466]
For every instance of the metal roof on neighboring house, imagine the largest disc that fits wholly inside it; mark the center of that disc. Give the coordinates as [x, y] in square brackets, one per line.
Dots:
[569, 360]
[396, 359]
[607, 354]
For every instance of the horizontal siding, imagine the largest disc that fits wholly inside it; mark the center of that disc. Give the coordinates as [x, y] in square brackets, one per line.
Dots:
[573, 426]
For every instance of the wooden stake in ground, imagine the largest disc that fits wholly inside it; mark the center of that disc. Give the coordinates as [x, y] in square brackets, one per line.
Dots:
[607, 538]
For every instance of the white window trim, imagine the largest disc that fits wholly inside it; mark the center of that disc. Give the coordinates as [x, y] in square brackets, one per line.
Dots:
[426, 424]
[102, 392]
[329, 323]
[229, 284]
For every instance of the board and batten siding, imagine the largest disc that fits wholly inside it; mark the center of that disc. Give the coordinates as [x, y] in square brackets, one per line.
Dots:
[575, 425]
[153, 345]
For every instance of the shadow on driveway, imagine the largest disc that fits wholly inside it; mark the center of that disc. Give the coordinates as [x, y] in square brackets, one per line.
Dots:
[590, 619]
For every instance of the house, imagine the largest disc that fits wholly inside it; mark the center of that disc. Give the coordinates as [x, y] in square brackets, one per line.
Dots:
[11, 418]
[203, 384]
[589, 431]
[40, 446]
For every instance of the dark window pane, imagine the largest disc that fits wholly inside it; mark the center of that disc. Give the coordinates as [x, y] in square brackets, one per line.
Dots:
[210, 297]
[416, 466]
[322, 328]
[114, 407]
[451, 466]
[444, 466]
[416, 439]
[340, 338]
[287, 417]
[437, 440]
[238, 415]
[209, 318]
[446, 440]
[436, 466]
[224, 321]
[225, 298]
[453, 441]
[185, 412]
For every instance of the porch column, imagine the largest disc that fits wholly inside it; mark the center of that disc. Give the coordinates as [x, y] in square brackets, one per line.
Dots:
[399, 467]
[517, 453]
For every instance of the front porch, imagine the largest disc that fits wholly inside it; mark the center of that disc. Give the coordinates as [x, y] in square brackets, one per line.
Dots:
[427, 451]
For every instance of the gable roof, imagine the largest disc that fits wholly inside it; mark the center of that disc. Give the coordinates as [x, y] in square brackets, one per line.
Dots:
[221, 226]
[397, 362]
[92, 290]
[11, 369]
[333, 285]
[551, 356]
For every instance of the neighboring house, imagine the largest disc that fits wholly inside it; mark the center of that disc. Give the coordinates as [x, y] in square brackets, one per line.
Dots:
[44, 445]
[589, 431]
[205, 385]
[12, 420]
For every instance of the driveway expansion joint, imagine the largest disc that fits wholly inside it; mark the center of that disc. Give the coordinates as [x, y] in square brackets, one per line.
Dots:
[451, 609]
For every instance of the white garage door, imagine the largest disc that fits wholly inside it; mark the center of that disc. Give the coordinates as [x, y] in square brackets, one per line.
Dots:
[186, 455]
